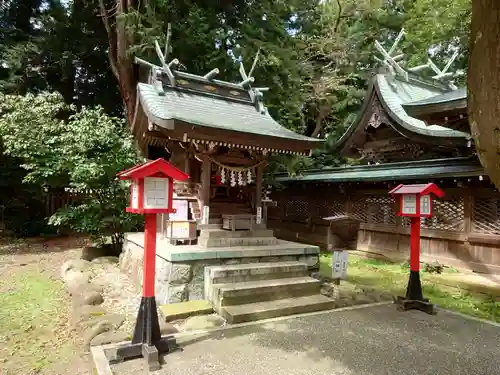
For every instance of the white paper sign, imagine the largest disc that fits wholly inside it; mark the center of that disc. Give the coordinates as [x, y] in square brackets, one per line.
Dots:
[410, 204]
[181, 210]
[425, 205]
[206, 214]
[155, 192]
[339, 264]
[259, 215]
[134, 195]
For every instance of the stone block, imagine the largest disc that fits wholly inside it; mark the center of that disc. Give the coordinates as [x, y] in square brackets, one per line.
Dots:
[312, 261]
[232, 261]
[186, 309]
[249, 260]
[180, 273]
[177, 293]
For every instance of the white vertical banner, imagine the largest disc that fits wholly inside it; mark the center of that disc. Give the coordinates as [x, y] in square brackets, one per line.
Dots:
[206, 214]
[259, 215]
[339, 264]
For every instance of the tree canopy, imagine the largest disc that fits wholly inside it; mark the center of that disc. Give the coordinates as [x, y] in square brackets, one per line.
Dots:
[82, 150]
[315, 57]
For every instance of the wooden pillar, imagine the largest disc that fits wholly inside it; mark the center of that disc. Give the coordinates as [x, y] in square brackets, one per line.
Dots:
[468, 209]
[258, 192]
[206, 169]
[187, 164]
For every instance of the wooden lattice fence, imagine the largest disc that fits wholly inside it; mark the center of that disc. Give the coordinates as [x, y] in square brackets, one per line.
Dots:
[466, 222]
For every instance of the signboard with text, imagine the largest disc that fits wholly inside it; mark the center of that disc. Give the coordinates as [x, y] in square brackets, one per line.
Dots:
[339, 264]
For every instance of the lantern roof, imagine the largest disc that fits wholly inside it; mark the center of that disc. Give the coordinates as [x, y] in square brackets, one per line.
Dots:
[418, 189]
[153, 168]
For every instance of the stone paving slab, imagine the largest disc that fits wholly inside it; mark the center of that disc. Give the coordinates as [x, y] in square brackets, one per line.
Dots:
[368, 341]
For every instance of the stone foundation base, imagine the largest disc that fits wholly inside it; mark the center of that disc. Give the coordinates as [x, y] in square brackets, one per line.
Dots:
[179, 281]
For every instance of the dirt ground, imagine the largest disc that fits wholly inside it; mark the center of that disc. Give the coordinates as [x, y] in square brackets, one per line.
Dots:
[35, 334]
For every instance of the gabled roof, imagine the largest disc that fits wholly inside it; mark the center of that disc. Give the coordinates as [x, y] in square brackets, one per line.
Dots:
[419, 189]
[451, 101]
[394, 92]
[153, 168]
[411, 170]
[211, 111]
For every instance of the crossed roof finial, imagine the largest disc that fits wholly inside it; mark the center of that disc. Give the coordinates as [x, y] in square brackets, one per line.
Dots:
[441, 74]
[390, 61]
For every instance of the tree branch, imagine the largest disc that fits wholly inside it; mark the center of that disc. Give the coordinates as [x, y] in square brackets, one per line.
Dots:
[337, 22]
[112, 56]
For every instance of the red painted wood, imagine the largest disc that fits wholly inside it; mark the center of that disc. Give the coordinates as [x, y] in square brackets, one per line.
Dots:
[158, 167]
[415, 244]
[148, 286]
[140, 195]
[151, 210]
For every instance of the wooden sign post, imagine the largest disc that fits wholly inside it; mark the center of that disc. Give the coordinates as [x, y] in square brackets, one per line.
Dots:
[151, 193]
[415, 203]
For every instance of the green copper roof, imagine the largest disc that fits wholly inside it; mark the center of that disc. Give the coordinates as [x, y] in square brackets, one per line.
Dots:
[394, 93]
[211, 111]
[456, 95]
[437, 105]
[425, 169]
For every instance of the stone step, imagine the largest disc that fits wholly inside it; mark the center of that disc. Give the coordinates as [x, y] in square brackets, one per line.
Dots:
[272, 309]
[203, 227]
[218, 232]
[233, 273]
[237, 242]
[262, 290]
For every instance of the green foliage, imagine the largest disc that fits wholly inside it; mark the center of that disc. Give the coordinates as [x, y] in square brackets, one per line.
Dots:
[316, 57]
[439, 27]
[81, 150]
[38, 52]
[434, 267]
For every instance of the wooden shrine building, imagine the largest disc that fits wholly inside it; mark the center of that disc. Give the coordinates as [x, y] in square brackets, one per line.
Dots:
[409, 130]
[219, 133]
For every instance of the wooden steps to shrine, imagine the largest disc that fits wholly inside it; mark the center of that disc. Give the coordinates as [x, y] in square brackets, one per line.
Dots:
[255, 291]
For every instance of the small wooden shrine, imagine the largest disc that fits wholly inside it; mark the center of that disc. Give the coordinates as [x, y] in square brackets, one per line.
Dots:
[219, 133]
[410, 130]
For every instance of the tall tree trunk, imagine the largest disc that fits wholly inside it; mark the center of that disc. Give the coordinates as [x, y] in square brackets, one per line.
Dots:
[121, 62]
[484, 85]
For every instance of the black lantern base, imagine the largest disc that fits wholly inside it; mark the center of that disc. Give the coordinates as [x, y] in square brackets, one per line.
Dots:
[414, 299]
[146, 341]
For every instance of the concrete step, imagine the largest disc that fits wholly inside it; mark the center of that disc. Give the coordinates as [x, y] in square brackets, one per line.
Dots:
[272, 309]
[263, 290]
[234, 273]
[203, 227]
[237, 242]
[218, 232]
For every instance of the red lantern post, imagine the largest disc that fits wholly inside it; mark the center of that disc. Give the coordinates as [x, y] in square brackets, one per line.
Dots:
[151, 193]
[415, 202]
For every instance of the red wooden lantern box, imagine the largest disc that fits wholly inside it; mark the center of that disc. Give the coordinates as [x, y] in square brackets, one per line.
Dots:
[416, 200]
[152, 187]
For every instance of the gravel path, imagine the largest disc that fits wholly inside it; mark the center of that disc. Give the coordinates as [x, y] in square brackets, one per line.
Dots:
[367, 341]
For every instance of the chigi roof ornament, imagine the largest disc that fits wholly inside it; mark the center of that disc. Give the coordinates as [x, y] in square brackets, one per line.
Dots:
[172, 74]
[394, 63]
[390, 61]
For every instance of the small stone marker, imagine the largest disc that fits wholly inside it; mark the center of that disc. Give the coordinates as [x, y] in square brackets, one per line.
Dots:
[182, 310]
[339, 264]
